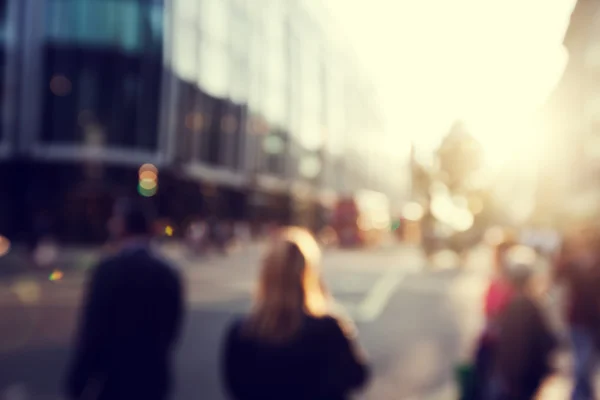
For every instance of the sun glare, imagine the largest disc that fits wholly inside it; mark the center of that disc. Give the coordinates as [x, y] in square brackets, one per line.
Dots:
[509, 141]
[461, 61]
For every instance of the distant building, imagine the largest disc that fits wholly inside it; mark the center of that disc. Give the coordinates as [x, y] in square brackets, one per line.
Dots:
[247, 108]
[571, 166]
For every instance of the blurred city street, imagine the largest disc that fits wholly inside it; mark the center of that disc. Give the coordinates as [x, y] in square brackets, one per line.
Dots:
[368, 124]
[415, 320]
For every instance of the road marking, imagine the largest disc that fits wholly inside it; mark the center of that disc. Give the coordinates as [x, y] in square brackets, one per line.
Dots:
[374, 304]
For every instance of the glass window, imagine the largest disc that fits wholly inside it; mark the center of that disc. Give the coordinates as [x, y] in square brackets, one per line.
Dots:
[7, 41]
[214, 19]
[276, 66]
[276, 88]
[335, 113]
[185, 56]
[239, 81]
[61, 20]
[239, 37]
[213, 71]
[274, 26]
[131, 25]
[79, 106]
[311, 106]
[186, 9]
[276, 104]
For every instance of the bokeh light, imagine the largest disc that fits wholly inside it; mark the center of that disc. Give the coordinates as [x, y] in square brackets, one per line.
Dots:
[148, 167]
[273, 144]
[28, 291]
[413, 211]
[194, 122]
[56, 275]
[46, 254]
[147, 192]
[148, 176]
[148, 184]
[4, 245]
[60, 85]
[310, 167]
[521, 255]
[169, 230]
[148, 180]
[494, 236]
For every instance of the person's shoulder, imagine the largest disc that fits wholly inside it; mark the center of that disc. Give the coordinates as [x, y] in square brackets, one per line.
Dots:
[333, 325]
[235, 327]
[106, 264]
[164, 264]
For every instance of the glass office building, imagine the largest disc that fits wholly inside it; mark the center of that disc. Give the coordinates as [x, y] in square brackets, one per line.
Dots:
[246, 106]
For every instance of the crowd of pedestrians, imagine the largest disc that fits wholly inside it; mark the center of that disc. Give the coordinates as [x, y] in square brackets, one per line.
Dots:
[515, 353]
[294, 344]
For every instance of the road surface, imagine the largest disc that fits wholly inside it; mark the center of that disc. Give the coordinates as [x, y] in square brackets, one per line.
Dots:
[415, 321]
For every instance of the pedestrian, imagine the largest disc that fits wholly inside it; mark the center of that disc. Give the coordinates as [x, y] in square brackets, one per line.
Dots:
[291, 346]
[130, 320]
[498, 295]
[523, 344]
[578, 267]
[500, 290]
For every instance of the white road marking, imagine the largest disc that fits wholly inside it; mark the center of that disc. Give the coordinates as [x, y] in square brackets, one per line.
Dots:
[380, 294]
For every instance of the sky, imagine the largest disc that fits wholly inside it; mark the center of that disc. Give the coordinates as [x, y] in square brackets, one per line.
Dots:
[489, 62]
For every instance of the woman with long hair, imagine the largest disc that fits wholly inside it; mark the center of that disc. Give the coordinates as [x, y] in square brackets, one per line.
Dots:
[290, 346]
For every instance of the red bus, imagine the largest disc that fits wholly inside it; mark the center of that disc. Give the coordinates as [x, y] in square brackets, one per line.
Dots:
[362, 219]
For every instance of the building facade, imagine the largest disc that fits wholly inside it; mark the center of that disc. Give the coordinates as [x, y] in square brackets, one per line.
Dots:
[248, 111]
[568, 178]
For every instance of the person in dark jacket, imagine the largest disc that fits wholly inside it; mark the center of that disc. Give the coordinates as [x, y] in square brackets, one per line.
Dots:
[291, 346]
[578, 267]
[130, 320]
[524, 344]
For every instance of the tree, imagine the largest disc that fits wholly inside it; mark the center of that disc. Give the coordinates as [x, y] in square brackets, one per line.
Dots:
[459, 157]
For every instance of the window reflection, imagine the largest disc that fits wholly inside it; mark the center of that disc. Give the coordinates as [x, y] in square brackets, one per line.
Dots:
[185, 50]
[239, 36]
[6, 43]
[214, 19]
[89, 43]
[239, 81]
[311, 98]
[214, 68]
[335, 112]
[186, 9]
[132, 25]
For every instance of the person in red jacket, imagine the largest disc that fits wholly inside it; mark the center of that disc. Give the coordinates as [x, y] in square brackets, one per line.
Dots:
[497, 298]
[500, 290]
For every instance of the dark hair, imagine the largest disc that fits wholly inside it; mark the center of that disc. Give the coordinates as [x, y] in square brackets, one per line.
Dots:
[137, 216]
[520, 276]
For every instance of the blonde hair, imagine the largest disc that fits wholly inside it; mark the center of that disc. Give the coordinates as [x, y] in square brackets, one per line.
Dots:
[289, 287]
